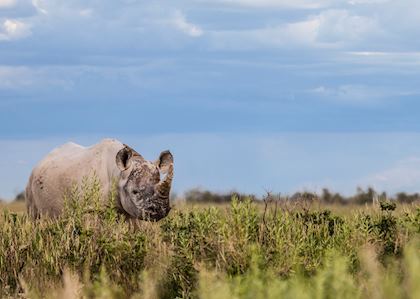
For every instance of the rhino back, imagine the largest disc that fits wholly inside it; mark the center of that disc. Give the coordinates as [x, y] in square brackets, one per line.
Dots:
[66, 166]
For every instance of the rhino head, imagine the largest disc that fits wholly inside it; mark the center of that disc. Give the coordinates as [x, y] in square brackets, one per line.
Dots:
[144, 186]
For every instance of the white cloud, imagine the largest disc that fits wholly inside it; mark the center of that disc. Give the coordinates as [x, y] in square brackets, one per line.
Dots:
[14, 29]
[355, 94]
[365, 95]
[288, 35]
[7, 3]
[368, 53]
[302, 32]
[328, 29]
[39, 5]
[15, 77]
[356, 2]
[403, 176]
[181, 23]
[302, 4]
[408, 60]
[340, 26]
[33, 78]
[87, 12]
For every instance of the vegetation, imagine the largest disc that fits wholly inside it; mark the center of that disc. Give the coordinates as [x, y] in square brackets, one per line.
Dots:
[204, 196]
[20, 196]
[246, 249]
[362, 197]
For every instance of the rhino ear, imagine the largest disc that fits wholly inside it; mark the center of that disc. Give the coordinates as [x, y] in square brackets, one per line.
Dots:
[164, 161]
[123, 158]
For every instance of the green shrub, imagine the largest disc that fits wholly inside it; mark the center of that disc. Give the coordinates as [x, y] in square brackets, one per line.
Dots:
[241, 250]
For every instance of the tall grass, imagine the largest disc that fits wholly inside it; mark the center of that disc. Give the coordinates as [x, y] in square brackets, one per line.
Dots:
[243, 250]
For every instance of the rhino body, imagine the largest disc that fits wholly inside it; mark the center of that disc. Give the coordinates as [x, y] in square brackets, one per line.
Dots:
[141, 193]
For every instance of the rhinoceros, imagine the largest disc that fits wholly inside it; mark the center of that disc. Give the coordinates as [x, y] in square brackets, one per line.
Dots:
[141, 192]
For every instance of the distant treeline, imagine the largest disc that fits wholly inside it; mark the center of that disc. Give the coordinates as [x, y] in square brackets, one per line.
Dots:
[361, 197]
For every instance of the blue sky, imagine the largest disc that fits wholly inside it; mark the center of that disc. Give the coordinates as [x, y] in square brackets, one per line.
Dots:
[251, 95]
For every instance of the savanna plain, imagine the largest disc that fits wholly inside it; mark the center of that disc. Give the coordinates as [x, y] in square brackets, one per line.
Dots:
[275, 248]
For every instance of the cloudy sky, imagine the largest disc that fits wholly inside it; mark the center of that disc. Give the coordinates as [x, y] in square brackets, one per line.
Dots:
[251, 95]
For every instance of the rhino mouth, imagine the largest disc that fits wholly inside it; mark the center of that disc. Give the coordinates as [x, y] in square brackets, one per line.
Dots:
[154, 213]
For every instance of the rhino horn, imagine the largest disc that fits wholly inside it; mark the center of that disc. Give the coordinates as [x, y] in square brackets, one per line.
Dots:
[163, 188]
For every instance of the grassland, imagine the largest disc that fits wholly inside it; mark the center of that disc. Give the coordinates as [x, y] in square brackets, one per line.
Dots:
[241, 250]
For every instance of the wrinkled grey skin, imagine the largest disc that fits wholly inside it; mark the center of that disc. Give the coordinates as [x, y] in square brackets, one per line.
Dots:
[143, 186]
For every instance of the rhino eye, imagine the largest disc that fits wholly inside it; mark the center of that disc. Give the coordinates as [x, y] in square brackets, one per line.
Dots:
[135, 192]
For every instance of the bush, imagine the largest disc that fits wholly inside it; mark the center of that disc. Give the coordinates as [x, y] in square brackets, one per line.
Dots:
[204, 196]
[240, 250]
[20, 196]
